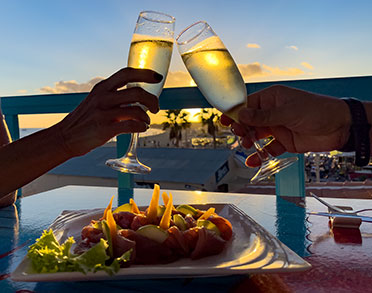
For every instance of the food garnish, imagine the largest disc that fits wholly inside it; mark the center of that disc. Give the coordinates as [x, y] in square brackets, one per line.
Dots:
[127, 235]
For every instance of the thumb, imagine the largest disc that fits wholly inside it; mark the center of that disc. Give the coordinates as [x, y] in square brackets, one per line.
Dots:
[262, 118]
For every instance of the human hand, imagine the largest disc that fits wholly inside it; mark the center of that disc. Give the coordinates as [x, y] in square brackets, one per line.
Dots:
[107, 111]
[299, 121]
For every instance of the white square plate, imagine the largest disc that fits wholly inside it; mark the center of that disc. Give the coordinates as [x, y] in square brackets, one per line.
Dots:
[251, 250]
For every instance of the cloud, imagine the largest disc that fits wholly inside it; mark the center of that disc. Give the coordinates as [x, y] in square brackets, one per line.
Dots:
[253, 46]
[282, 72]
[249, 70]
[307, 65]
[71, 86]
[257, 71]
[22, 91]
[293, 48]
[179, 79]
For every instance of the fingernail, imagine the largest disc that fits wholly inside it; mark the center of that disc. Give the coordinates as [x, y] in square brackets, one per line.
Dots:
[158, 76]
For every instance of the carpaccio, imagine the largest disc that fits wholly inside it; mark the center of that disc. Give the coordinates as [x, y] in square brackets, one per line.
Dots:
[160, 234]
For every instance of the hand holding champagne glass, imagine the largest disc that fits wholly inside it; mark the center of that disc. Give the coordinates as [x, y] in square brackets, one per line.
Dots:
[218, 78]
[151, 48]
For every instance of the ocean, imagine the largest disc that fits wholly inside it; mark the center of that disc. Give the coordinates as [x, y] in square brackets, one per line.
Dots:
[150, 132]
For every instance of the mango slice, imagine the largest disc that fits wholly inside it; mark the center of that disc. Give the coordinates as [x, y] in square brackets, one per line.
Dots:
[165, 220]
[165, 197]
[135, 209]
[207, 214]
[109, 207]
[153, 207]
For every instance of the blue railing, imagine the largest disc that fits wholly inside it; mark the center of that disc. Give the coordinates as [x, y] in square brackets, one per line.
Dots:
[289, 182]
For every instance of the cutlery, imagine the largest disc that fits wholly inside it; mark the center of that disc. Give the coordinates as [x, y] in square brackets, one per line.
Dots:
[337, 209]
[341, 215]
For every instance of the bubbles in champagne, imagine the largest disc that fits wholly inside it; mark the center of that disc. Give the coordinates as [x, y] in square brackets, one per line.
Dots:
[155, 54]
[216, 74]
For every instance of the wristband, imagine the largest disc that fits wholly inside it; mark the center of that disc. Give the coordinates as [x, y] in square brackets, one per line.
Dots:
[359, 132]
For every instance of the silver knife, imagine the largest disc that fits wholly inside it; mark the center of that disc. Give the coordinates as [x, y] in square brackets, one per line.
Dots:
[324, 214]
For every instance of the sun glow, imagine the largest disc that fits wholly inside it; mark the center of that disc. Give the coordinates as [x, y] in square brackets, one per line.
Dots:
[143, 57]
[193, 117]
[212, 59]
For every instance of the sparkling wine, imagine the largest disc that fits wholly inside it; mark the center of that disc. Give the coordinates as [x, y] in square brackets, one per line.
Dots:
[152, 54]
[217, 76]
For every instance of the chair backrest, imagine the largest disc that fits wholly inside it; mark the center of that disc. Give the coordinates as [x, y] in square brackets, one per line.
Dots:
[289, 182]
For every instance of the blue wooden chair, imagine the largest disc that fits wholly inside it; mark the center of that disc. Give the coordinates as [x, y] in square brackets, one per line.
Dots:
[290, 182]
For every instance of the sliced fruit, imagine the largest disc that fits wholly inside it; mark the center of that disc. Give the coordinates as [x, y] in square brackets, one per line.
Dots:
[107, 232]
[223, 225]
[165, 220]
[180, 222]
[112, 224]
[165, 197]
[127, 207]
[153, 232]
[152, 212]
[109, 207]
[135, 208]
[207, 214]
[161, 210]
[97, 224]
[208, 225]
[187, 209]
[165, 200]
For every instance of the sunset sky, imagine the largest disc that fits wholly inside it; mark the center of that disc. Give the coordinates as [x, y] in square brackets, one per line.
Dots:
[67, 46]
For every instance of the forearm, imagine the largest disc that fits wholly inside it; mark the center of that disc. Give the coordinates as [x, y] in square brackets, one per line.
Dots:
[28, 158]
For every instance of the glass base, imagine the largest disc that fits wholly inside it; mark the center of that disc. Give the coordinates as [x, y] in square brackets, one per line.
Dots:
[271, 167]
[128, 165]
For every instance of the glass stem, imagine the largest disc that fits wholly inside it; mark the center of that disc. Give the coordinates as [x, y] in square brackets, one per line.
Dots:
[262, 153]
[132, 150]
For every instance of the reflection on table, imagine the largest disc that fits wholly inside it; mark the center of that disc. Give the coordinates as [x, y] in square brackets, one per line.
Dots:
[334, 254]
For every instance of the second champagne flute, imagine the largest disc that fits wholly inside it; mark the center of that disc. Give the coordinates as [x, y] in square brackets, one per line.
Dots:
[151, 48]
[218, 78]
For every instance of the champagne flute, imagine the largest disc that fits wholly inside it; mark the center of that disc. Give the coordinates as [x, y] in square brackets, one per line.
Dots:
[151, 48]
[218, 78]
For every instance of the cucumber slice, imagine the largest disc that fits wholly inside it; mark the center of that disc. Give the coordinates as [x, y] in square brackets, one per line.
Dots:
[208, 225]
[186, 209]
[160, 211]
[106, 231]
[153, 232]
[180, 222]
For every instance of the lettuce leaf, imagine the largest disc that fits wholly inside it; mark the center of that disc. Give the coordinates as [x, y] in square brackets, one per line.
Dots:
[48, 256]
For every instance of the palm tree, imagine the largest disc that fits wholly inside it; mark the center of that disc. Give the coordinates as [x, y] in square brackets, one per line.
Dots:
[177, 121]
[210, 117]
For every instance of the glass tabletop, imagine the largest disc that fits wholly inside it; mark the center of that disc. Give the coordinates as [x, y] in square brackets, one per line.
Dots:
[23, 223]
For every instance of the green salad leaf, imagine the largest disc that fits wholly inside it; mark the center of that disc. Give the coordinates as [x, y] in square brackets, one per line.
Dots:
[48, 256]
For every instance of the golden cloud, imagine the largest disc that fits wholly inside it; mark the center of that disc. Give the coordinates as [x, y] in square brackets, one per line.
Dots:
[307, 65]
[250, 72]
[253, 45]
[71, 86]
[281, 72]
[263, 71]
[179, 79]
